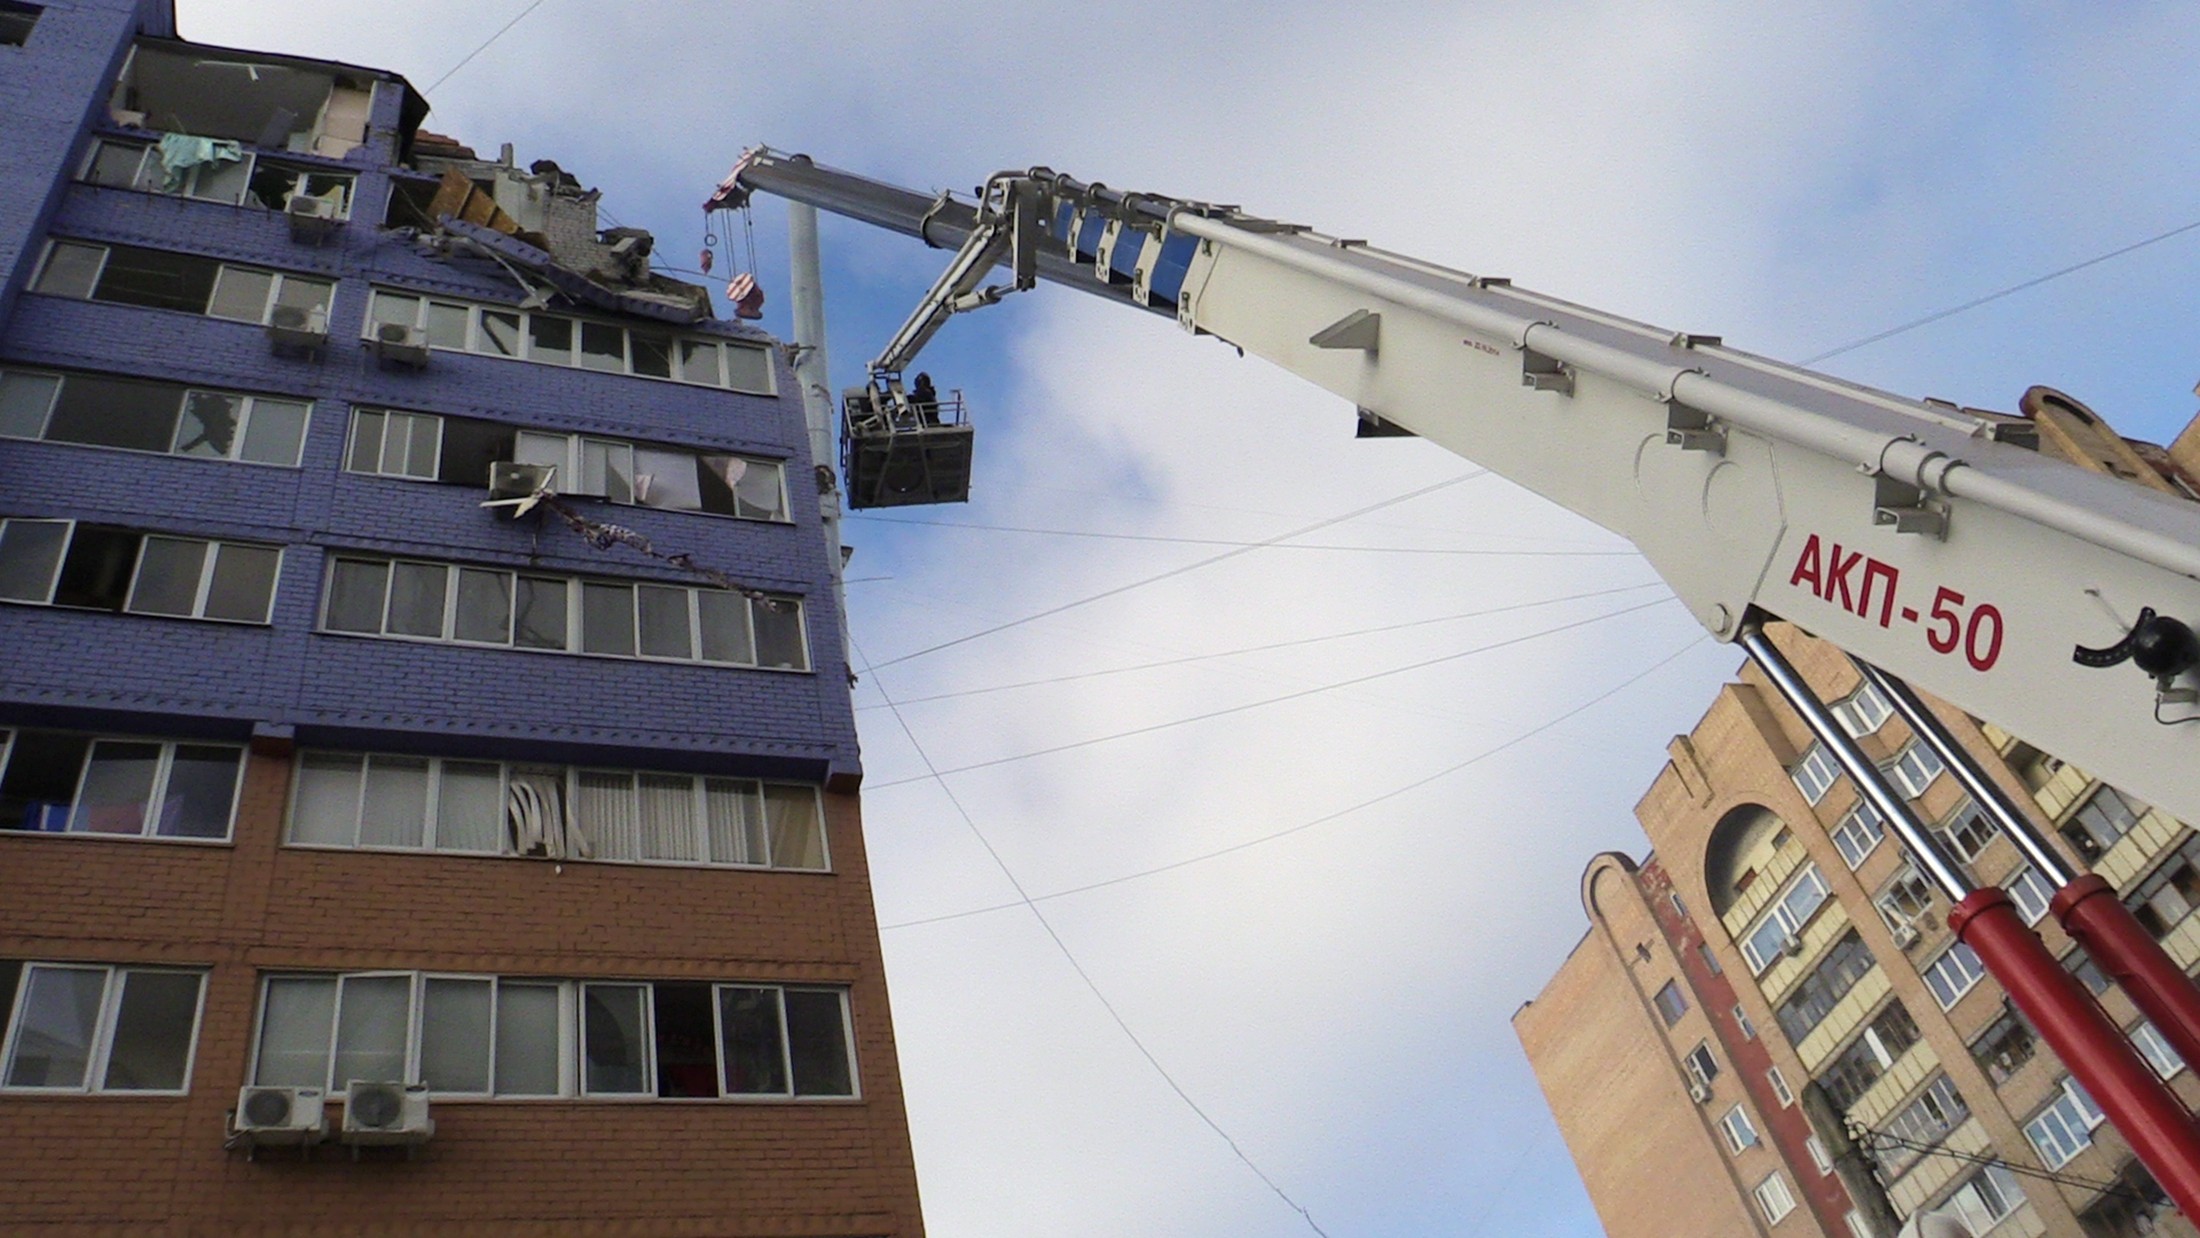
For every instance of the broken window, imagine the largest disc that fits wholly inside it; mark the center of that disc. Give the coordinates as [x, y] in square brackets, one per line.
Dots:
[103, 568]
[603, 347]
[16, 21]
[551, 339]
[57, 782]
[267, 102]
[160, 279]
[142, 415]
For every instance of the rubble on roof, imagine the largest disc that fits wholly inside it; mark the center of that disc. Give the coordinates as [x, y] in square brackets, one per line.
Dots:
[542, 219]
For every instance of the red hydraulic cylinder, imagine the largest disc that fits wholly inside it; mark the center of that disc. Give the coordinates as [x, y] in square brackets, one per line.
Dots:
[2129, 955]
[2137, 1103]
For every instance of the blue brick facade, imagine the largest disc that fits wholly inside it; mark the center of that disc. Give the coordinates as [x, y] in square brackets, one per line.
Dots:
[288, 679]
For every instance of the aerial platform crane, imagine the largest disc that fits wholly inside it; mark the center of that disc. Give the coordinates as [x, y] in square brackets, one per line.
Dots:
[1906, 532]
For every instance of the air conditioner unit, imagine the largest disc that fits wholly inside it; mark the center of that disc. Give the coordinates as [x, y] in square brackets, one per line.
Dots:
[311, 218]
[280, 1116]
[1700, 1093]
[386, 1114]
[405, 345]
[1791, 945]
[1905, 936]
[297, 328]
[517, 488]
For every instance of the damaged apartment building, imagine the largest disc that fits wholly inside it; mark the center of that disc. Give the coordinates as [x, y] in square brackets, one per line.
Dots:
[427, 770]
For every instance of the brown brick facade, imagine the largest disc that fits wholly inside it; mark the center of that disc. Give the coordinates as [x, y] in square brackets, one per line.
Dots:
[156, 1164]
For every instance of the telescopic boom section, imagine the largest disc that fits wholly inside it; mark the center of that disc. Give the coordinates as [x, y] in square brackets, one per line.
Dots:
[1902, 531]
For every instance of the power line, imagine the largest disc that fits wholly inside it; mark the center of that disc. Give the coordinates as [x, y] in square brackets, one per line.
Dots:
[1213, 541]
[1273, 700]
[1326, 818]
[1085, 976]
[1879, 1138]
[1288, 644]
[484, 47]
[1975, 302]
[1179, 571]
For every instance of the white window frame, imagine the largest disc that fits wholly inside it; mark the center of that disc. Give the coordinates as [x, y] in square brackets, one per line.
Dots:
[1950, 977]
[332, 1086]
[53, 578]
[1906, 886]
[163, 767]
[569, 776]
[575, 593]
[1704, 1072]
[1740, 1132]
[1816, 773]
[149, 177]
[1780, 1090]
[1741, 1020]
[1818, 1155]
[381, 451]
[2155, 1048]
[275, 284]
[1863, 711]
[1781, 912]
[1976, 1208]
[1774, 1199]
[247, 407]
[2063, 1128]
[1859, 834]
[1949, 830]
[2030, 892]
[475, 335]
[102, 1044]
[207, 564]
[1915, 768]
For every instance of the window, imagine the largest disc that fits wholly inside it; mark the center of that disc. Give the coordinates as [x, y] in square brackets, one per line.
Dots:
[554, 339]
[1740, 1133]
[1967, 830]
[481, 807]
[1700, 1065]
[1915, 769]
[489, 1036]
[16, 21]
[1985, 1199]
[1710, 960]
[1871, 1055]
[670, 478]
[97, 410]
[2004, 1047]
[1859, 833]
[75, 1027]
[2079, 964]
[2030, 892]
[160, 279]
[1815, 773]
[1779, 1086]
[1768, 939]
[2170, 892]
[96, 567]
[1863, 711]
[1818, 1156]
[2065, 1128]
[248, 179]
[58, 782]
[1817, 994]
[1952, 974]
[1773, 1198]
[1741, 1021]
[2155, 1049]
[488, 606]
[1922, 1123]
[1904, 901]
[2104, 817]
[1671, 1004]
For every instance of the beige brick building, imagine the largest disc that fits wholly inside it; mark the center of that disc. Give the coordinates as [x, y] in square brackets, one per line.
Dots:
[1775, 978]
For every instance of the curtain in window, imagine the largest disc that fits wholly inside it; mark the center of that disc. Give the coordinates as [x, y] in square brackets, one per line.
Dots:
[294, 1032]
[327, 810]
[667, 822]
[373, 1020]
[469, 805]
[797, 839]
[454, 1035]
[536, 813]
[395, 810]
[736, 821]
[604, 810]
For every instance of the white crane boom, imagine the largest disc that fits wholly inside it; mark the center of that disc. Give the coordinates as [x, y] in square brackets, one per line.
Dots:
[1901, 531]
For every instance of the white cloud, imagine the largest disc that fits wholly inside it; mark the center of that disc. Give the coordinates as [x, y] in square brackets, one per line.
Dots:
[1337, 998]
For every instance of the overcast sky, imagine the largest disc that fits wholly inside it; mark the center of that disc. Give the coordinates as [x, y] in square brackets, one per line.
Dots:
[1335, 999]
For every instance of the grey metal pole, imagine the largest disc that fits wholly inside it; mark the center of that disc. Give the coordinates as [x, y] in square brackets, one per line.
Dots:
[806, 294]
[1925, 850]
[1968, 772]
